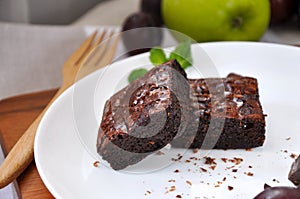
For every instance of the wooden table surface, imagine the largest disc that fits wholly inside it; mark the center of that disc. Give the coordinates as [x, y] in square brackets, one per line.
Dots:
[16, 114]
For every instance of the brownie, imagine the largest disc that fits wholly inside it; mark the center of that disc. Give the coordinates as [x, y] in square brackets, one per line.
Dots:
[144, 116]
[294, 174]
[230, 114]
[165, 107]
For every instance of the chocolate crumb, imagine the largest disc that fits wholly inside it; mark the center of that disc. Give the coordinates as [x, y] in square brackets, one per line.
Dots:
[230, 188]
[250, 166]
[275, 180]
[178, 196]
[187, 161]
[96, 163]
[212, 167]
[294, 156]
[248, 149]
[230, 167]
[224, 179]
[202, 169]
[173, 188]
[248, 173]
[224, 159]
[209, 160]
[171, 180]
[160, 153]
[234, 170]
[176, 159]
[288, 138]
[196, 150]
[176, 171]
[237, 161]
[188, 182]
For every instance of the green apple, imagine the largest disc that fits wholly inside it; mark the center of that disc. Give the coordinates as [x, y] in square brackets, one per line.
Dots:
[218, 20]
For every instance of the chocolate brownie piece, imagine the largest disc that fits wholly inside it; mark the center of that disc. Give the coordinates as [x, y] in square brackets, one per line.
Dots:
[143, 117]
[232, 120]
[294, 174]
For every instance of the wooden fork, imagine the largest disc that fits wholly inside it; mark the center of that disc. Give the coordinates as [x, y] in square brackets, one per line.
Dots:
[76, 67]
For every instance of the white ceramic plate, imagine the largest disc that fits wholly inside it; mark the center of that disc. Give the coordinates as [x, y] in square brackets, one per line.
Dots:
[66, 165]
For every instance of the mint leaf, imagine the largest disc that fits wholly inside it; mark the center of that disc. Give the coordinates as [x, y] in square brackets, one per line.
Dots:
[157, 56]
[137, 73]
[182, 54]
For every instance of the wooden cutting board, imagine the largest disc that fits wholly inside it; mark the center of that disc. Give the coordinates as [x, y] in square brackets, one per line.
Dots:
[16, 114]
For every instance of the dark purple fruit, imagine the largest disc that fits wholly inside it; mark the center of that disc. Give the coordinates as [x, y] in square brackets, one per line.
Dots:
[140, 33]
[282, 10]
[279, 193]
[152, 7]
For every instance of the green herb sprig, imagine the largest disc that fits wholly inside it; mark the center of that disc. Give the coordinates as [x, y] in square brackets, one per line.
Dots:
[182, 54]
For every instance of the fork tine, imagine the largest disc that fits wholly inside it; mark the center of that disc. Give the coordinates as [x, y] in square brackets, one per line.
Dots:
[109, 54]
[100, 55]
[97, 52]
[106, 53]
[100, 39]
[91, 47]
[82, 50]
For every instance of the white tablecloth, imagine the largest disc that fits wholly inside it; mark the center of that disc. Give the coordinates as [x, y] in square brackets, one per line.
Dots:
[32, 56]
